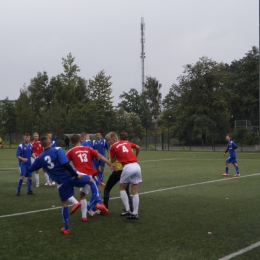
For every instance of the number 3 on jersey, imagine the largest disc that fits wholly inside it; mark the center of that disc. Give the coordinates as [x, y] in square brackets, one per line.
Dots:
[48, 159]
[125, 150]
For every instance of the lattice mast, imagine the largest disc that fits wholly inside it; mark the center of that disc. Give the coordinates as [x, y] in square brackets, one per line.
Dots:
[142, 50]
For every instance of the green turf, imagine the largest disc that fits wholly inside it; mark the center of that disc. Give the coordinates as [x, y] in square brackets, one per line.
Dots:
[174, 223]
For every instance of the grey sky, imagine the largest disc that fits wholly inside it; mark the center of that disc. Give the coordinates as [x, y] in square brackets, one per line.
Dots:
[105, 34]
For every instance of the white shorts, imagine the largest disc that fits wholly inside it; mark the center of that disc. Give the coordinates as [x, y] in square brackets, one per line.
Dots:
[131, 174]
[32, 160]
[87, 188]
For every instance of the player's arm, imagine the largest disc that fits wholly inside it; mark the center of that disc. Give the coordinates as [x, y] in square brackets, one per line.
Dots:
[226, 151]
[234, 146]
[21, 158]
[137, 150]
[110, 163]
[68, 167]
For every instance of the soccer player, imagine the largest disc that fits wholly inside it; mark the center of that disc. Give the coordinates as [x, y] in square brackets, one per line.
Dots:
[82, 158]
[60, 170]
[24, 153]
[131, 173]
[101, 146]
[114, 178]
[37, 150]
[85, 140]
[231, 148]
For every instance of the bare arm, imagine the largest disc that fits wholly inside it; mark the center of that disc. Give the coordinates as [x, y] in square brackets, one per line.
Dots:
[137, 150]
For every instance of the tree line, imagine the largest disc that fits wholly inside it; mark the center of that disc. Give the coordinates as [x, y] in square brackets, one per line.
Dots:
[207, 100]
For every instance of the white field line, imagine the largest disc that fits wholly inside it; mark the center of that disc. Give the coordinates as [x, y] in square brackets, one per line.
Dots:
[142, 193]
[241, 251]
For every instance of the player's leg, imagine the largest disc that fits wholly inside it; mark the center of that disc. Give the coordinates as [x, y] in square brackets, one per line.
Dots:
[111, 182]
[20, 182]
[227, 168]
[65, 217]
[237, 169]
[37, 179]
[75, 204]
[129, 197]
[46, 175]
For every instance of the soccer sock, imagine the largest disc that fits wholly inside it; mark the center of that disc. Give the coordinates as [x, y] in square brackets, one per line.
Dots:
[100, 176]
[65, 217]
[46, 175]
[83, 208]
[20, 182]
[124, 199]
[135, 203]
[37, 179]
[72, 200]
[29, 185]
[95, 193]
[227, 169]
[237, 169]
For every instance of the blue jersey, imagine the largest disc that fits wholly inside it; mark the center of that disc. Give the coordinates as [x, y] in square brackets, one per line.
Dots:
[53, 143]
[101, 146]
[52, 159]
[87, 143]
[232, 152]
[25, 151]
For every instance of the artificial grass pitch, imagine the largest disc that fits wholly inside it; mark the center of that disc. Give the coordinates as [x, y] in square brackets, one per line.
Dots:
[187, 211]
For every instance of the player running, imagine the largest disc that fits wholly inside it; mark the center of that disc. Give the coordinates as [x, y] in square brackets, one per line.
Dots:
[131, 173]
[231, 147]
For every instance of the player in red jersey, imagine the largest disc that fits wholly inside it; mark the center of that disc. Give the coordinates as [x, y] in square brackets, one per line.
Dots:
[131, 173]
[37, 150]
[82, 158]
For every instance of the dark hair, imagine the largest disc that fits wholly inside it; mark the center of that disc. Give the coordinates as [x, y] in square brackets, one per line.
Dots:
[123, 136]
[45, 141]
[75, 139]
[26, 134]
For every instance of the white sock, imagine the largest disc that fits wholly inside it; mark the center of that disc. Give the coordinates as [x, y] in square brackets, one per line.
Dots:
[135, 203]
[46, 175]
[124, 199]
[83, 208]
[37, 179]
[72, 200]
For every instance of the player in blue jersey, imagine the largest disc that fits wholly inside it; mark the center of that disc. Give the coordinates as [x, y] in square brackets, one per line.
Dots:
[24, 153]
[231, 148]
[101, 146]
[85, 140]
[60, 170]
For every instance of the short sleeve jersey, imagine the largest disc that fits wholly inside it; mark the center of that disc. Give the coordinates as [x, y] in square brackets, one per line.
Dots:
[82, 157]
[37, 147]
[87, 143]
[122, 150]
[52, 159]
[25, 151]
[101, 146]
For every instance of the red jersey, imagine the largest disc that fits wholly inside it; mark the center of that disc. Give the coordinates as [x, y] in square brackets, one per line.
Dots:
[37, 148]
[122, 150]
[82, 157]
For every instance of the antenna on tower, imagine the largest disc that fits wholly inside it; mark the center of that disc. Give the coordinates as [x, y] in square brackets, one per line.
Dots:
[142, 50]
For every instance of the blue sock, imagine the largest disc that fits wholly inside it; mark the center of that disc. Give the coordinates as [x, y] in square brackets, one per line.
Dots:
[20, 182]
[227, 169]
[237, 169]
[65, 217]
[29, 184]
[100, 176]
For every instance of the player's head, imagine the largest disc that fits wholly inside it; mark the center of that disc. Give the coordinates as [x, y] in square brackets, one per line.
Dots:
[228, 138]
[111, 138]
[45, 142]
[75, 139]
[49, 135]
[26, 138]
[35, 137]
[123, 136]
[83, 136]
[98, 135]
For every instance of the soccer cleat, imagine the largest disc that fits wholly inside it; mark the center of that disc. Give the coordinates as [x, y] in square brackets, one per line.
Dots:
[30, 193]
[126, 213]
[84, 219]
[102, 208]
[75, 207]
[224, 174]
[53, 183]
[18, 193]
[37, 185]
[236, 175]
[102, 183]
[65, 231]
[91, 213]
[133, 216]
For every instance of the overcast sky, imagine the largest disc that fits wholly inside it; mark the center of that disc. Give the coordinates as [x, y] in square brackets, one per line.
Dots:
[105, 34]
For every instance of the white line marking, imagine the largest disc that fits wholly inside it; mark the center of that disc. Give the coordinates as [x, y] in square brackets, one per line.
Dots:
[242, 251]
[142, 193]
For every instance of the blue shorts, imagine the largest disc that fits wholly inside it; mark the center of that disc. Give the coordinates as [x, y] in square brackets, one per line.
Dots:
[66, 190]
[99, 163]
[24, 171]
[231, 160]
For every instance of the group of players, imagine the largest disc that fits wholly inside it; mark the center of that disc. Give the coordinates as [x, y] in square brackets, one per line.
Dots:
[87, 171]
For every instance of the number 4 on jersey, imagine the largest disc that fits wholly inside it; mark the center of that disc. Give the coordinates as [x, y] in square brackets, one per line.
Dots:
[125, 150]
